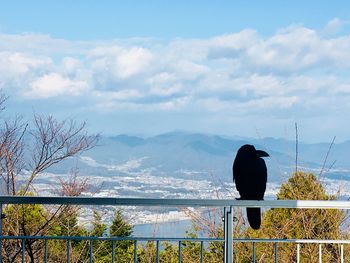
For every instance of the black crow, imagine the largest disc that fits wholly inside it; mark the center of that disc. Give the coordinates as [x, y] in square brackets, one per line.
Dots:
[250, 175]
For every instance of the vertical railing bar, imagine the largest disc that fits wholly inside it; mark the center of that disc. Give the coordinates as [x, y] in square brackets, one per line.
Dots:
[68, 251]
[228, 232]
[91, 251]
[275, 252]
[320, 253]
[1, 232]
[201, 257]
[23, 249]
[157, 251]
[254, 253]
[46, 251]
[113, 251]
[135, 251]
[298, 253]
[180, 256]
[225, 234]
[341, 253]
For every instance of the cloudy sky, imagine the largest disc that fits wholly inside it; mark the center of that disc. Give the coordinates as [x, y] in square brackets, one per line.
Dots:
[249, 68]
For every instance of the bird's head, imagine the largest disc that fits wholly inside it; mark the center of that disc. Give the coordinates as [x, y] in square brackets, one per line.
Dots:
[250, 151]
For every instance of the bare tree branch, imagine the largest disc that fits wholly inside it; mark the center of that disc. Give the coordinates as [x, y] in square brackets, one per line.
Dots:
[326, 157]
[56, 141]
[48, 142]
[11, 153]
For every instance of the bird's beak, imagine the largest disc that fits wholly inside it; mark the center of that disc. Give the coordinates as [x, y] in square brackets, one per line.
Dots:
[261, 153]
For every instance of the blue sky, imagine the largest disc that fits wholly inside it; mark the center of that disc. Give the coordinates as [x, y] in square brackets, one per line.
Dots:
[250, 68]
[91, 20]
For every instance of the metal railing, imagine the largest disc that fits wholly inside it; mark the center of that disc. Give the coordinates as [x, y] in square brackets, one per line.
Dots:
[113, 240]
[228, 240]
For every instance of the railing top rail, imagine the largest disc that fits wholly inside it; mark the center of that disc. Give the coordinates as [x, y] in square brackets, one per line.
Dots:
[115, 238]
[58, 200]
[184, 239]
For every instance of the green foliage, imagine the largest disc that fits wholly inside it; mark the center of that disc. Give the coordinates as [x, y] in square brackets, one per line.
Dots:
[170, 253]
[98, 228]
[30, 218]
[124, 250]
[276, 223]
[214, 252]
[120, 227]
[148, 252]
[100, 248]
[23, 220]
[68, 225]
[296, 223]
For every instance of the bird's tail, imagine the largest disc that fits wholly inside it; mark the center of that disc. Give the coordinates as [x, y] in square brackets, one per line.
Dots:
[254, 217]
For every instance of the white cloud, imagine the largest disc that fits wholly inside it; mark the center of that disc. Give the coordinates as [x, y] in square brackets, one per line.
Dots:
[239, 73]
[42, 44]
[15, 64]
[272, 102]
[52, 85]
[128, 94]
[133, 61]
[187, 70]
[334, 26]
[120, 62]
[342, 88]
[71, 65]
[166, 90]
[242, 64]
[252, 106]
[164, 84]
[293, 49]
[260, 85]
[237, 41]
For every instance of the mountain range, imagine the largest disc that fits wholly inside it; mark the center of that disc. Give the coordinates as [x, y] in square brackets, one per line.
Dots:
[203, 156]
[190, 165]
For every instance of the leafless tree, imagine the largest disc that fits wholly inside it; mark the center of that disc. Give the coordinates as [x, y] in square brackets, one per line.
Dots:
[26, 151]
[49, 142]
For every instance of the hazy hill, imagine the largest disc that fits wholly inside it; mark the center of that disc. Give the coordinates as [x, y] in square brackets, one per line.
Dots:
[202, 156]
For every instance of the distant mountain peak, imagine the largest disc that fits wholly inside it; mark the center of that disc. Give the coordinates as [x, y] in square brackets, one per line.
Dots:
[131, 141]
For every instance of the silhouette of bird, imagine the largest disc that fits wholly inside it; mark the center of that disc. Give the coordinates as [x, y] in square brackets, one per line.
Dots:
[250, 175]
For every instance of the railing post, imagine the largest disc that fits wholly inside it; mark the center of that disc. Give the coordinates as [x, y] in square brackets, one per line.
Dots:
[275, 252]
[157, 251]
[254, 253]
[341, 253]
[46, 251]
[228, 232]
[23, 249]
[135, 251]
[91, 251]
[68, 251]
[298, 253]
[113, 251]
[201, 253]
[180, 256]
